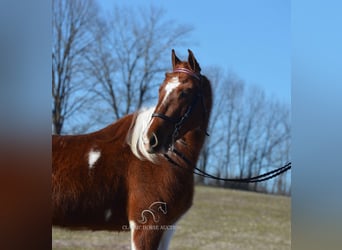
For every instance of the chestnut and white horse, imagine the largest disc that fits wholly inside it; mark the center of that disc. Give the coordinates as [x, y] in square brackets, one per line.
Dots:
[136, 174]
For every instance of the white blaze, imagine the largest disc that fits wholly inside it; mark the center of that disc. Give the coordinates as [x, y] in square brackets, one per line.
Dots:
[93, 156]
[170, 86]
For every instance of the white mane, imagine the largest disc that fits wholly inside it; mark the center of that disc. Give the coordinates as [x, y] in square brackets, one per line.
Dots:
[136, 137]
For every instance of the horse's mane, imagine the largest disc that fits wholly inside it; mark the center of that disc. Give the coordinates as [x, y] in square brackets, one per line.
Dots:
[136, 135]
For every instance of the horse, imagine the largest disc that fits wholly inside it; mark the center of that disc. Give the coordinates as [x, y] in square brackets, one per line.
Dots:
[137, 173]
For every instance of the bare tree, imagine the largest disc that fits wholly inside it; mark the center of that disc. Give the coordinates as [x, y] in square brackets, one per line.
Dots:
[271, 146]
[72, 22]
[250, 134]
[130, 56]
[281, 152]
[212, 144]
[233, 96]
[260, 135]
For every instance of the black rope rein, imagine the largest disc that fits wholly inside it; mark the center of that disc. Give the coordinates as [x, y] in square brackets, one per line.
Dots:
[259, 178]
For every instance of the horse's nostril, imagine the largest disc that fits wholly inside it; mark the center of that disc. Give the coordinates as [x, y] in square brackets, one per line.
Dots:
[153, 141]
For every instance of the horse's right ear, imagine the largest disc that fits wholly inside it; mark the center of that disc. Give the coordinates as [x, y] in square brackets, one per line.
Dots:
[193, 62]
[175, 59]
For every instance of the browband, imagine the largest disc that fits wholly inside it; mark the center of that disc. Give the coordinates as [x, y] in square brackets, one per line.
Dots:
[187, 71]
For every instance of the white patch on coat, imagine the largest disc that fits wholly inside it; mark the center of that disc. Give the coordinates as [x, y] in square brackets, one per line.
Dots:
[167, 235]
[132, 226]
[93, 156]
[137, 138]
[166, 238]
[108, 214]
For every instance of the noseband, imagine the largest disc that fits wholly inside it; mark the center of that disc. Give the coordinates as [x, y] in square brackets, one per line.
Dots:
[178, 123]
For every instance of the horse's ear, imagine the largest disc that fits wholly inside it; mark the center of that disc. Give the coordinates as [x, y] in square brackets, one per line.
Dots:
[193, 62]
[175, 59]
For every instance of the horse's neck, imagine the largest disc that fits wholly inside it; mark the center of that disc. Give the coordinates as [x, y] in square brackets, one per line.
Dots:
[193, 143]
[195, 139]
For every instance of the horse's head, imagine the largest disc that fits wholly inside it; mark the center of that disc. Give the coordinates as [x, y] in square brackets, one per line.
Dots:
[181, 106]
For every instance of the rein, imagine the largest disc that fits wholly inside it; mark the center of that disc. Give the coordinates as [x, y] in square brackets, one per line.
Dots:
[259, 178]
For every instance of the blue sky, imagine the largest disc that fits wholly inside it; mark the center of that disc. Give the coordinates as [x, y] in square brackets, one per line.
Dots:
[251, 38]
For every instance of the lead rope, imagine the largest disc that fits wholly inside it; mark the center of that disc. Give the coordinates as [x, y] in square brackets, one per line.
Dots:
[259, 178]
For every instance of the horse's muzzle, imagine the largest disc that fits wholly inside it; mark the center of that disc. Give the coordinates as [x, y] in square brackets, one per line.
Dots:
[155, 144]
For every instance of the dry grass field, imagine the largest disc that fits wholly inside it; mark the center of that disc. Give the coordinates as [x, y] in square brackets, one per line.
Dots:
[218, 219]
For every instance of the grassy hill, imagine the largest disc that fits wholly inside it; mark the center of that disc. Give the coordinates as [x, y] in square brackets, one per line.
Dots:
[219, 219]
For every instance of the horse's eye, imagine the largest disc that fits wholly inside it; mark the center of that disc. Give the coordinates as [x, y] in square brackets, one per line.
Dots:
[184, 94]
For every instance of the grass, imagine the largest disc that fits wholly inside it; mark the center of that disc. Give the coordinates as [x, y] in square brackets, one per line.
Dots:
[218, 219]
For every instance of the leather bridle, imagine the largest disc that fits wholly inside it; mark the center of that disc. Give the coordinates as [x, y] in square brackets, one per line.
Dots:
[178, 122]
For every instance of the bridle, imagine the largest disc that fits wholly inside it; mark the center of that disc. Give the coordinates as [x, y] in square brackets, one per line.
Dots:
[178, 122]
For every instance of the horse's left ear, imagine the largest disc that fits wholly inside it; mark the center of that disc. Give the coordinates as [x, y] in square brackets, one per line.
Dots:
[175, 59]
[193, 62]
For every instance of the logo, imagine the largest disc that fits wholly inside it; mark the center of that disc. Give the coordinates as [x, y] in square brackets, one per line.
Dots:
[153, 211]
